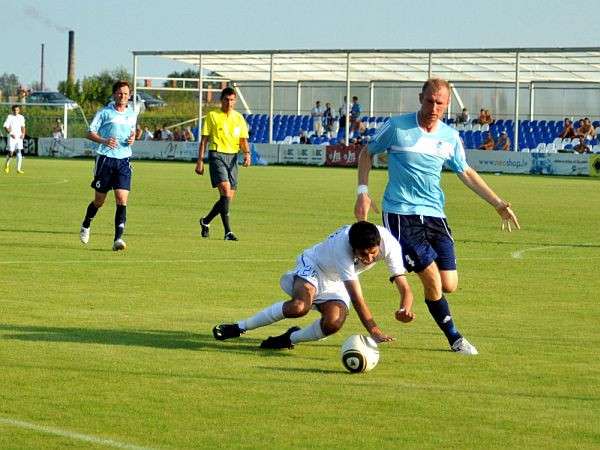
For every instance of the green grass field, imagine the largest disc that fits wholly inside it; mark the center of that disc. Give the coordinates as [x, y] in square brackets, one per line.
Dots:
[100, 349]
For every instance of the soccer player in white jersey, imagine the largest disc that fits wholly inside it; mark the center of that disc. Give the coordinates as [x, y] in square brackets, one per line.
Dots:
[418, 145]
[113, 128]
[326, 279]
[14, 125]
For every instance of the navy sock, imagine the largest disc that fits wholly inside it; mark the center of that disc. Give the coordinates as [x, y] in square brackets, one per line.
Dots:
[120, 219]
[440, 311]
[89, 215]
[225, 213]
[216, 209]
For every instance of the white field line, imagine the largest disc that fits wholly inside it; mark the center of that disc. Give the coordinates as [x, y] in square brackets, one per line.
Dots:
[142, 261]
[519, 254]
[37, 183]
[69, 434]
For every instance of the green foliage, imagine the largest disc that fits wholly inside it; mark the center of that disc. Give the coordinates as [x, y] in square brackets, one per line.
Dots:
[119, 345]
[9, 85]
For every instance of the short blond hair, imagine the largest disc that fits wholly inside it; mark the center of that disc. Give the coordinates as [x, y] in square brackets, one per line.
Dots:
[436, 84]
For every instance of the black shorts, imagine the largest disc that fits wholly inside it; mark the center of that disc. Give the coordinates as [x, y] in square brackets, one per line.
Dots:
[223, 167]
[111, 173]
[423, 239]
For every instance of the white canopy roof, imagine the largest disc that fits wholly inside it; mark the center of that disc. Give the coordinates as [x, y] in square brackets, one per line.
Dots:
[491, 65]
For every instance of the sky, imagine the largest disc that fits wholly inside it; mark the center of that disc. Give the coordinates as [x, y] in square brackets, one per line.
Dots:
[107, 32]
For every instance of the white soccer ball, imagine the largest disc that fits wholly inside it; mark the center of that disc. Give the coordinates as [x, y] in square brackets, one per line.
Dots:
[359, 353]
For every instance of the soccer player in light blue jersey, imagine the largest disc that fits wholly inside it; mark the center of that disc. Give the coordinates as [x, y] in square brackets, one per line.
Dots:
[418, 145]
[113, 128]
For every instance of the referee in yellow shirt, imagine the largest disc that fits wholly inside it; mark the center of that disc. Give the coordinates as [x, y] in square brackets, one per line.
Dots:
[227, 131]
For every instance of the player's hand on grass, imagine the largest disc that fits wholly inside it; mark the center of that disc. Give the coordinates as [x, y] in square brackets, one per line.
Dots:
[508, 216]
[200, 168]
[379, 336]
[405, 316]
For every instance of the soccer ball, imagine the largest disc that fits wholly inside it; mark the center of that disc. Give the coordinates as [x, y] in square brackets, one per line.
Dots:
[359, 354]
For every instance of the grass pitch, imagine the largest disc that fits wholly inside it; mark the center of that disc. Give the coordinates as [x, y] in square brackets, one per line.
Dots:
[100, 349]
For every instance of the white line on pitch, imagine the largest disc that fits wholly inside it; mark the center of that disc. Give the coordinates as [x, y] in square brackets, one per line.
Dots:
[519, 254]
[152, 261]
[69, 434]
[38, 183]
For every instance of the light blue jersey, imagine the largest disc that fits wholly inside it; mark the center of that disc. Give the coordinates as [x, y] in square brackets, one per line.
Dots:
[107, 123]
[415, 162]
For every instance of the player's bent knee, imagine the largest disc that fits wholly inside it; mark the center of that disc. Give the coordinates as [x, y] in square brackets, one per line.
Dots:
[296, 308]
[449, 288]
[331, 325]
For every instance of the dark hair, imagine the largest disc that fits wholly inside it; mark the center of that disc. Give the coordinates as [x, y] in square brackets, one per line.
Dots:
[14, 107]
[120, 84]
[227, 92]
[363, 235]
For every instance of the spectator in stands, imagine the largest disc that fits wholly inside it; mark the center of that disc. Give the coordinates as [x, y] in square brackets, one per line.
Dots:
[568, 130]
[503, 142]
[138, 132]
[147, 135]
[355, 123]
[304, 139]
[177, 134]
[586, 130]
[328, 119]
[581, 147]
[59, 125]
[463, 117]
[481, 120]
[157, 135]
[488, 144]
[166, 134]
[343, 107]
[488, 117]
[317, 118]
[188, 136]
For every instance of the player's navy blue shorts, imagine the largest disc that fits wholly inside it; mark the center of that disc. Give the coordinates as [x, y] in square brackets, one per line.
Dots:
[423, 239]
[223, 167]
[111, 173]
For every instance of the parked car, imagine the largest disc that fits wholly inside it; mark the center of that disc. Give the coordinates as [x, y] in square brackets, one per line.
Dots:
[141, 106]
[50, 97]
[150, 101]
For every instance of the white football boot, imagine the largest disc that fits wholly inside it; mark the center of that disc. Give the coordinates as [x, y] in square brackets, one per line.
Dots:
[84, 235]
[464, 347]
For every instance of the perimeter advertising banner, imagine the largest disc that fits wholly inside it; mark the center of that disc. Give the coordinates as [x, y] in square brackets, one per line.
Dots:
[560, 164]
[499, 161]
[594, 165]
[78, 147]
[313, 155]
[340, 155]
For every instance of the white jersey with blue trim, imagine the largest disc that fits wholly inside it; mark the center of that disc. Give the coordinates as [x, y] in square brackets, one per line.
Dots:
[107, 123]
[335, 257]
[415, 162]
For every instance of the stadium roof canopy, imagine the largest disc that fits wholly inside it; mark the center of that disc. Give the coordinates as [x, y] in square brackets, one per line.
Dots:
[489, 65]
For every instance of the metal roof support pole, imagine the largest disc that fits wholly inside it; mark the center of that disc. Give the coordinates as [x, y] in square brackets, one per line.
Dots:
[271, 92]
[347, 139]
[371, 92]
[200, 99]
[135, 67]
[430, 70]
[298, 97]
[517, 74]
[531, 99]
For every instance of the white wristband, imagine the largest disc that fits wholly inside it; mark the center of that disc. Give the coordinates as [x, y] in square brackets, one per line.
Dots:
[362, 189]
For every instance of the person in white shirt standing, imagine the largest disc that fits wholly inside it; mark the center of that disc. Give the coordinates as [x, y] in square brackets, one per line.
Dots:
[15, 127]
[317, 118]
[326, 279]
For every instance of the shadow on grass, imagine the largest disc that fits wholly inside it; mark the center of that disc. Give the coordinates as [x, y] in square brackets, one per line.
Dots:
[302, 370]
[164, 339]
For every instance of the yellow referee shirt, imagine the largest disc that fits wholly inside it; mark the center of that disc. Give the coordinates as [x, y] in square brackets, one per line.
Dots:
[224, 131]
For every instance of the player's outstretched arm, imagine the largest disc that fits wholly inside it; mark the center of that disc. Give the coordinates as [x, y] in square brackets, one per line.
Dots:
[364, 314]
[363, 200]
[473, 181]
[404, 312]
[200, 164]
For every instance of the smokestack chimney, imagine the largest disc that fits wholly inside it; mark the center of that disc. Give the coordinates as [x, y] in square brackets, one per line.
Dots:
[71, 59]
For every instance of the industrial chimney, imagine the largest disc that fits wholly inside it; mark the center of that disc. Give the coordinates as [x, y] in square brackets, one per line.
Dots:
[71, 59]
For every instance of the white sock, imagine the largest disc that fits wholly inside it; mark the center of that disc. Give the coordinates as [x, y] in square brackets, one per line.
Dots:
[313, 332]
[19, 160]
[272, 314]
